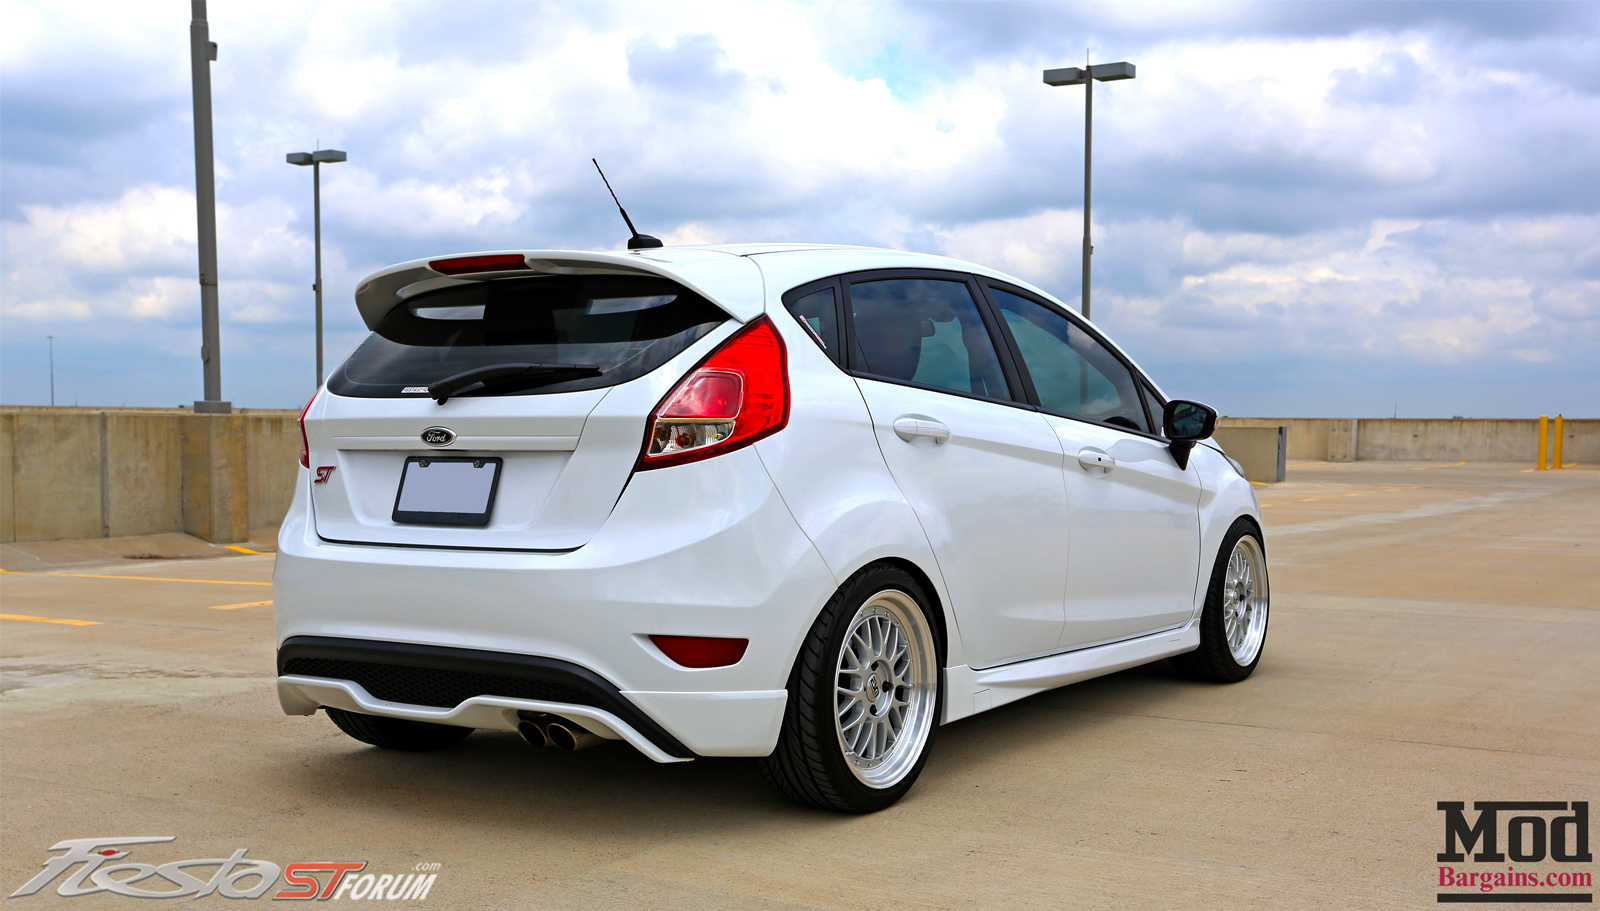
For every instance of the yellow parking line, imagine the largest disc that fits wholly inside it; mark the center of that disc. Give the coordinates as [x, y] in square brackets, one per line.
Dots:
[245, 550]
[1309, 499]
[50, 620]
[237, 606]
[14, 572]
[1428, 467]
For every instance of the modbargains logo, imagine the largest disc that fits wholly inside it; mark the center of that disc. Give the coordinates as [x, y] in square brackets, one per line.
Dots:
[234, 877]
[1529, 832]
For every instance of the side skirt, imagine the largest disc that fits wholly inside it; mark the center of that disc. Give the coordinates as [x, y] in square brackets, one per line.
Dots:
[968, 692]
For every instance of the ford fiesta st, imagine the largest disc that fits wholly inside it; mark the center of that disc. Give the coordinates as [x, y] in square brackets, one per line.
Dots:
[792, 502]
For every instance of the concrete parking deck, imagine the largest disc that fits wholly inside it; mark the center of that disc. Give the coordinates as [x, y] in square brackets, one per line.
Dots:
[1435, 636]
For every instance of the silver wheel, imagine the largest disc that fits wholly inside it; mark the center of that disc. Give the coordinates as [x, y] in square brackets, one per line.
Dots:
[885, 689]
[1245, 600]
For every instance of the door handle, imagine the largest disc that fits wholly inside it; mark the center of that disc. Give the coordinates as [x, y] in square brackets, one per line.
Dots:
[1094, 458]
[910, 429]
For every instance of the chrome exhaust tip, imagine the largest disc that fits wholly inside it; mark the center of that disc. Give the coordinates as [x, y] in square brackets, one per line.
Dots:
[534, 734]
[571, 737]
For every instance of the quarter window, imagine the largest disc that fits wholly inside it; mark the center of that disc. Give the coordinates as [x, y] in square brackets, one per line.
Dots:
[818, 312]
[1072, 372]
[925, 331]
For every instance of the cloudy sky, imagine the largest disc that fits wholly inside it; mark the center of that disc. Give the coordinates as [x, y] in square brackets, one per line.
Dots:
[1301, 208]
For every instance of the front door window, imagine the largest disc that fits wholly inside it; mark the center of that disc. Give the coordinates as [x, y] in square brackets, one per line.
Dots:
[1073, 374]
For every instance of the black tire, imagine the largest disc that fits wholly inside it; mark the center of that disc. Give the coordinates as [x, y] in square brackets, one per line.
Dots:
[809, 765]
[1213, 660]
[398, 733]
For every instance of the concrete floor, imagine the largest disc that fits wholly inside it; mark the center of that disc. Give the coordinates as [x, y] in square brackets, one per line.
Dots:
[1435, 636]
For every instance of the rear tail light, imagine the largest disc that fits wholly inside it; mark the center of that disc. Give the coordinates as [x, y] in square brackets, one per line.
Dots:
[465, 265]
[701, 651]
[736, 396]
[305, 444]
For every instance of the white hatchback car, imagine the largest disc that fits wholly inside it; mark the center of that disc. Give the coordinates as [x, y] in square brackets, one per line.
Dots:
[793, 502]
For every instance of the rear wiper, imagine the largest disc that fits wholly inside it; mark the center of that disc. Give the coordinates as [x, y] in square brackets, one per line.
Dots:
[530, 374]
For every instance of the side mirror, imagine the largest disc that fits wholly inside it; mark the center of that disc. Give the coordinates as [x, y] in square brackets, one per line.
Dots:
[1184, 423]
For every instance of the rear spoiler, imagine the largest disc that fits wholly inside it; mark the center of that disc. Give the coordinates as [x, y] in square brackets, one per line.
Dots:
[729, 281]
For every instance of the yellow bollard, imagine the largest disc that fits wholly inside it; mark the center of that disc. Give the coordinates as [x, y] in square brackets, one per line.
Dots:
[1544, 440]
[1556, 455]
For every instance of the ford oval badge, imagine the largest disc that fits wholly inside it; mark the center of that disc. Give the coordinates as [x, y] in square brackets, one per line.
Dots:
[438, 436]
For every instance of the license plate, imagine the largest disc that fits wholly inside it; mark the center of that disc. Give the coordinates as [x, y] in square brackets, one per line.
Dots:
[447, 490]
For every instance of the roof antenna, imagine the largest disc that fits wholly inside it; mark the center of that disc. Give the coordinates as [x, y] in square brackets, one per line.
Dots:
[637, 241]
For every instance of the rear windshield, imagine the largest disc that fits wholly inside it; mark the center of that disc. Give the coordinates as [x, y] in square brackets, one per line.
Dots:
[623, 326]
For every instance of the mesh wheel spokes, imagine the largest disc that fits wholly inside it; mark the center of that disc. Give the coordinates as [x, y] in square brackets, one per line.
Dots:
[884, 689]
[872, 687]
[1244, 601]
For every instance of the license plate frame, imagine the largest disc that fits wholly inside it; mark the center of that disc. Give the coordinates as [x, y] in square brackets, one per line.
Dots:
[465, 483]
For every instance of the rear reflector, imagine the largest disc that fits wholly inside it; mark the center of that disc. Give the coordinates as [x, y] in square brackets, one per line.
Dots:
[701, 651]
[464, 265]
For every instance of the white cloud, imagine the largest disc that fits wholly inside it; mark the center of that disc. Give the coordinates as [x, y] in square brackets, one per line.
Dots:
[1370, 292]
[1535, 355]
[147, 228]
[136, 258]
[1373, 194]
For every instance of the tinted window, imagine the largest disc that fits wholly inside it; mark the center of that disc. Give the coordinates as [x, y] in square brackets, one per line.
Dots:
[925, 331]
[818, 312]
[1072, 372]
[626, 327]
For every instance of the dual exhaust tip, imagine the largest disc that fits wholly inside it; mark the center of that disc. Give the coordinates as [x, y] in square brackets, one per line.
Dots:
[551, 731]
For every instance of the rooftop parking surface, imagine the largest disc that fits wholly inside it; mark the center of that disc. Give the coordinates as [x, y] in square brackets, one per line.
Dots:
[1435, 636]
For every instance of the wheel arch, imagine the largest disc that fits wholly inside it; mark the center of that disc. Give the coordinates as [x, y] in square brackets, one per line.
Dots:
[940, 631]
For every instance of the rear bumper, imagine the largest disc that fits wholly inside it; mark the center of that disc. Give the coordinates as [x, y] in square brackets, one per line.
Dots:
[458, 686]
[704, 549]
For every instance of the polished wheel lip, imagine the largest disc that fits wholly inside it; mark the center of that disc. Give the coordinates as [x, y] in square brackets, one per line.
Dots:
[885, 689]
[1245, 601]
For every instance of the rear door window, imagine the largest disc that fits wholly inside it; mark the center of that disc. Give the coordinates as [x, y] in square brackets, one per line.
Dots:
[925, 331]
[623, 327]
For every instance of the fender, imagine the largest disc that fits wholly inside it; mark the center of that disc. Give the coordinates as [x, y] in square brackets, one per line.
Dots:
[1225, 498]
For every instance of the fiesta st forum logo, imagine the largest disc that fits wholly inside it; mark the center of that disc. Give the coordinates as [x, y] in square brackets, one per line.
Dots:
[232, 877]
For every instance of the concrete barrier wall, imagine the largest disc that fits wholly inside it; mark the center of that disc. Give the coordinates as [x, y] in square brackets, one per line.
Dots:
[76, 473]
[1440, 441]
[56, 476]
[142, 485]
[272, 458]
[1308, 437]
[1260, 451]
[1431, 440]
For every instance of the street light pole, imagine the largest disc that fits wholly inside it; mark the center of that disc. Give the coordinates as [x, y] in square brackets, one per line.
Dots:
[1071, 75]
[315, 159]
[1088, 184]
[316, 221]
[52, 340]
[202, 50]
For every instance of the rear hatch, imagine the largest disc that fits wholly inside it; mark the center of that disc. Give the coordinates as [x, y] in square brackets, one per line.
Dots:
[557, 376]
